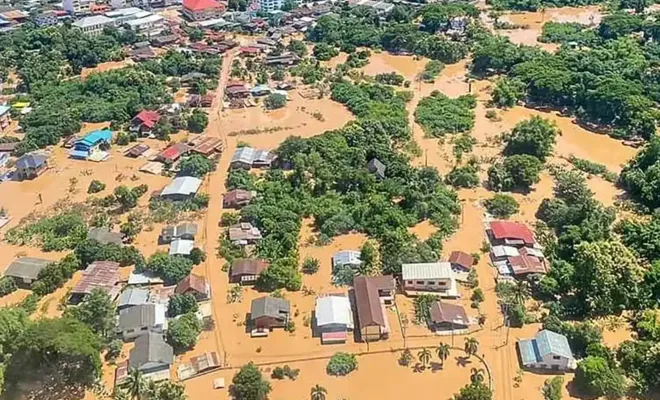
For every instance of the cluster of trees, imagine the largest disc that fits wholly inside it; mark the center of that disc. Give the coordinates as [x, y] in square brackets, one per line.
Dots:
[612, 88]
[526, 148]
[171, 268]
[54, 233]
[438, 114]
[390, 78]
[534, 5]
[341, 364]
[639, 178]
[196, 165]
[565, 32]
[361, 27]
[182, 332]
[175, 63]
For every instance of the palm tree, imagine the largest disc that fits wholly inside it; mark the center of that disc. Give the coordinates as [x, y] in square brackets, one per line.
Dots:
[477, 375]
[443, 352]
[521, 292]
[318, 392]
[424, 356]
[136, 384]
[471, 346]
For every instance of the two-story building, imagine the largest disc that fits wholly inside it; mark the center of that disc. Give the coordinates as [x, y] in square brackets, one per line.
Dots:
[200, 10]
[435, 277]
[94, 25]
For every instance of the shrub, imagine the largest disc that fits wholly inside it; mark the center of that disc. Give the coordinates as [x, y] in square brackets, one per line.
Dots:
[478, 295]
[181, 304]
[95, 186]
[230, 218]
[464, 176]
[114, 349]
[197, 256]
[275, 101]
[310, 265]
[501, 206]
[7, 285]
[438, 114]
[341, 364]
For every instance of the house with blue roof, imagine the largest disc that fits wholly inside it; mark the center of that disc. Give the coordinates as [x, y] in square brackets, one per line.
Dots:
[90, 143]
[547, 351]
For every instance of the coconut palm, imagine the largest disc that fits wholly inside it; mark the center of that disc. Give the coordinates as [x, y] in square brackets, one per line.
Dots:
[471, 346]
[136, 384]
[477, 375]
[443, 352]
[424, 356]
[521, 292]
[318, 392]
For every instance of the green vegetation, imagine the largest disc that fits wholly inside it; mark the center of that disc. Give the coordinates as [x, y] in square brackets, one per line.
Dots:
[535, 136]
[196, 165]
[535, 5]
[310, 266]
[507, 92]
[519, 171]
[567, 32]
[7, 286]
[639, 178]
[285, 372]
[431, 70]
[465, 176]
[552, 388]
[422, 308]
[596, 377]
[53, 233]
[476, 390]
[391, 78]
[439, 115]
[182, 332]
[249, 384]
[593, 168]
[181, 304]
[97, 311]
[274, 101]
[341, 364]
[197, 121]
[172, 269]
[95, 186]
[324, 52]
[501, 206]
[282, 273]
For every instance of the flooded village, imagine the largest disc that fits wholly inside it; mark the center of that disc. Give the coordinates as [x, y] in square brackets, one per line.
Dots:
[253, 200]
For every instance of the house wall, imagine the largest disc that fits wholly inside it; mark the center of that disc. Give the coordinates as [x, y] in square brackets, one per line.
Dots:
[549, 362]
[447, 326]
[203, 14]
[428, 285]
[267, 323]
[132, 334]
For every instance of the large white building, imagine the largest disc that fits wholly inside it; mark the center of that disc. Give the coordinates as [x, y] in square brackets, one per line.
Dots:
[78, 6]
[94, 25]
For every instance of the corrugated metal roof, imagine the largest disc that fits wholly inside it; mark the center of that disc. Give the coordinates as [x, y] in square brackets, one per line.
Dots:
[150, 349]
[133, 297]
[181, 247]
[183, 185]
[26, 267]
[549, 342]
[346, 257]
[427, 271]
[528, 351]
[269, 306]
[334, 310]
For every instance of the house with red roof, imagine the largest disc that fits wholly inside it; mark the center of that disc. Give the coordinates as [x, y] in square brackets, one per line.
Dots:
[509, 233]
[143, 123]
[200, 10]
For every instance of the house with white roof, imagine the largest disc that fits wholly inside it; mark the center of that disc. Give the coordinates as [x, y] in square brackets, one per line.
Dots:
[181, 247]
[334, 318]
[150, 23]
[346, 257]
[94, 25]
[248, 157]
[547, 351]
[181, 188]
[435, 277]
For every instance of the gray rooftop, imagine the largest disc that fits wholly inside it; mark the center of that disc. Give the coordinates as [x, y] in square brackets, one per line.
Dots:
[183, 185]
[553, 343]
[104, 236]
[424, 271]
[133, 297]
[93, 21]
[150, 351]
[346, 257]
[249, 155]
[26, 267]
[141, 316]
[32, 160]
[269, 307]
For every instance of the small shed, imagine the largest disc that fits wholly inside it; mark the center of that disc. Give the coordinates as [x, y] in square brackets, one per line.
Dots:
[377, 168]
[237, 198]
[350, 258]
[461, 261]
[187, 230]
[103, 235]
[446, 316]
[269, 312]
[25, 270]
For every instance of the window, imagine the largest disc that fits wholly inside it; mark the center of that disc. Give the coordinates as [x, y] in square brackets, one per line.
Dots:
[420, 282]
[442, 283]
[556, 357]
[409, 282]
[430, 283]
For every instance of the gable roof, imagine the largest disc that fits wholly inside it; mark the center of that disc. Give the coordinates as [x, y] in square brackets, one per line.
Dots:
[147, 118]
[461, 258]
[181, 247]
[104, 236]
[150, 348]
[377, 167]
[249, 155]
[446, 312]
[192, 282]
[511, 230]
[247, 266]
[549, 342]
[133, 297]
[201, 5]
[346, 257]
[367, 300]
[26, 267]
[437, 270]
[144, 315]
[174, 152]
[93, 20]
[182, 185]
[99, 275]
[269, 306]
[95, 137]
[237, 196]
[244, 231]
[333, 310]
[32, 160]
[526, 264]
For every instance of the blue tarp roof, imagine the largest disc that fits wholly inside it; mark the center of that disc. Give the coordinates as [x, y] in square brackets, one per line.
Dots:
[95, 137]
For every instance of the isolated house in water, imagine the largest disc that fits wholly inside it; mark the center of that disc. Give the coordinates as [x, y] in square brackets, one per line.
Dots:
[350, 258]
[90, 143]
[186, 231]
[269, 312]
[30, 166]
[548, 350]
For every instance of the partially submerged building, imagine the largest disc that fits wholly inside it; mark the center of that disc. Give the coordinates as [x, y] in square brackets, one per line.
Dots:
[448, 317]
[98, 275]
[237, 198]
[25, 270]
[246, 271]
[248, 157]
[137, 320]
[196, 285]
[187, 230]
[152, 356]
[267, 313]
[547, 351]
[30, 165]
[181, 188]
[349, 258]
[371, 293]
[244, 234]
[181, 247]
[103, 235]
[334, 318]
[437, 278]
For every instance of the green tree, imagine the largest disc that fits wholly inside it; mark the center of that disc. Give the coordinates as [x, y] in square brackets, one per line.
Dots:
[318, 392]
[324, 52]
[163, 129]
[517, 171]
[297, 47]
[171, 268]
[535, 136]
[370, 257]
[249, 384]
[198, 121]
[477, 375]
[597, 378]
[310, 266]
[501, 206]
[136, 384]
[443, 351]
[552, 388]
[438, 114]
[471, 346]
[181, 304]
[96, 311]
[182, 333]
[281, 274]
[507, 92]
[196, 165]
[474, 391]
[197, 256]
[274, 101]
[95, 186]
[424, 356]
[341, 364]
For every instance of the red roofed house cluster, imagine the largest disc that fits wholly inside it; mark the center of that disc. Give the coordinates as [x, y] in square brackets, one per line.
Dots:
[514, 252]
[200, 10]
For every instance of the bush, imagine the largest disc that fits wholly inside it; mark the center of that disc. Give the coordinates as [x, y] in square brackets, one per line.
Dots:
[391, 78]
[197, 256]
[198, 121]
[464, 177]
[196, 165]
[275, 101]
[180, 304]
[341, 364]
[182, 333]
[438, 114]
[114, 349]
[478, 295]
[95, 186]
[230, 218]
[324, 52]
[310, 266]
[7, 286]
[501, 206]
[285, 372]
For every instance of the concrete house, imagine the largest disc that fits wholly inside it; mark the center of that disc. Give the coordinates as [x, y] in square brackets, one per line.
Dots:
[267, 313]
[334, 318]
[547, 351]
[137, 320]
[435, 277]
[25, 270]
[94, 25]
[31, 165]
[371, 294]
[90, 143]
[246, 271]
[346, 257]
[181, 188]
[186, 231]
